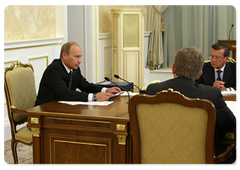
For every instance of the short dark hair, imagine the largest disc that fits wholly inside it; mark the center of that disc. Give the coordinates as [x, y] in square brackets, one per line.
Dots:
[221, 45]
[188, 63]
[66, 47]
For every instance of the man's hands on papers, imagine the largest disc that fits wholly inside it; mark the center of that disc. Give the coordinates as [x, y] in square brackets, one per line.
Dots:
[98, 103]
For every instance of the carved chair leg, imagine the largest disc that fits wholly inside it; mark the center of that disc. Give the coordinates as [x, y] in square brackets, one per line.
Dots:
[14, 151]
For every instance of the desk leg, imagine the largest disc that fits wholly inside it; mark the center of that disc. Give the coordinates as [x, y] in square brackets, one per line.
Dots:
[36, 146]
[122, 156]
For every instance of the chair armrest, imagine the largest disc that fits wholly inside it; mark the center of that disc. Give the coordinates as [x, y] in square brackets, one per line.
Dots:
[226, 154]
[19, 111]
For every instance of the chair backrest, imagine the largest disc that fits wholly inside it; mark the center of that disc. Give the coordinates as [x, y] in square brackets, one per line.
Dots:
[19, 86]
[169, 128]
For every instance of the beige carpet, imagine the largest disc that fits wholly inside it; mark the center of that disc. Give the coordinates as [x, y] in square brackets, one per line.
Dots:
[24, 153]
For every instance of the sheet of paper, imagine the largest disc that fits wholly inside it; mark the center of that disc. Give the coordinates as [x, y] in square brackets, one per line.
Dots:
[232, 105]
[225, 93]
[116, 95]
[126, 94]
[93, 103]
[105, 83]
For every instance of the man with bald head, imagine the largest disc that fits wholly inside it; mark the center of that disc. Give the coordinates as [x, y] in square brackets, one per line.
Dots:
[63, 76]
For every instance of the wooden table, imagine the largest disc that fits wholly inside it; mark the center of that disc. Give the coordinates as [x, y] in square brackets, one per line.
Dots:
[80, 134]
[229, 98]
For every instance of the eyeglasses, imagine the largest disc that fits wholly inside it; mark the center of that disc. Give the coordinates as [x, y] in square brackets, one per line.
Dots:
[215, 57]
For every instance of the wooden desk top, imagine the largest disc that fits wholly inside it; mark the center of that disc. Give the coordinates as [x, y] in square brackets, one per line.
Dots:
[229, 98]
[117, 110]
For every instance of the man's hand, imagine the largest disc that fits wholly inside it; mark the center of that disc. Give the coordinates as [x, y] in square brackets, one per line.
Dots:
[103, 96]
[220, 85]
[113, 90]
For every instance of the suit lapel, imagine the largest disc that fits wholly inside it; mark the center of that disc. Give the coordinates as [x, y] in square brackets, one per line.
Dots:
[211, 74]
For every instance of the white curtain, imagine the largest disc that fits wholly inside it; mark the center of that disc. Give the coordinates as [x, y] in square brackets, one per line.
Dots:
[156, 26]
[199, 26]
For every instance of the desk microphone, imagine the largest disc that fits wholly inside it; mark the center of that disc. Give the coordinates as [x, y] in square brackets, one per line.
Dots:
[117, 76]
[108, 79]
[230, 32]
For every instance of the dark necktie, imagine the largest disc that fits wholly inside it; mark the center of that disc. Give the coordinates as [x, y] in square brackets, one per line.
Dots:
[219, 77]
[70, 79]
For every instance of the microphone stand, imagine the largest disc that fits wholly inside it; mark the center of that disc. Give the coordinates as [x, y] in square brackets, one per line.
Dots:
[230, 32]
[107, 79]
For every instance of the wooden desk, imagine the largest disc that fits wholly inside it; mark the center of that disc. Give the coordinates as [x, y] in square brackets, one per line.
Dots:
[80, 134]
[65, 134]
[229, 98]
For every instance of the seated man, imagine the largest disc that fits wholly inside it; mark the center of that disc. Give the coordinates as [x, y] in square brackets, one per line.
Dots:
[63, 76]
[187, 68]
[219, 73]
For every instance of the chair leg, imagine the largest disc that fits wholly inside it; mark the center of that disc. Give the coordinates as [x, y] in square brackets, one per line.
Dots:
[14, 151]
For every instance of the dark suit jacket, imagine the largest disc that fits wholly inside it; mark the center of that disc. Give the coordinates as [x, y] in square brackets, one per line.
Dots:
[225, 120]
[208, 76]
[54, 85]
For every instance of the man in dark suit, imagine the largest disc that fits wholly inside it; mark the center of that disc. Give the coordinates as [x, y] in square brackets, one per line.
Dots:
[226, 78]
[187, 68]
[63, 76]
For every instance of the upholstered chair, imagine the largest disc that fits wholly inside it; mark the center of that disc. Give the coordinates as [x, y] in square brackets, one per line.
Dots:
[169, 128]
[19, 86]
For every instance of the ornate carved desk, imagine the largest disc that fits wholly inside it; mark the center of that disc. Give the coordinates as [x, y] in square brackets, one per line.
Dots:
[80, 134]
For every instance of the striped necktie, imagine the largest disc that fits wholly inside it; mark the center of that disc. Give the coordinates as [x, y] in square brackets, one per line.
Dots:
[70, 79]
[219, 77]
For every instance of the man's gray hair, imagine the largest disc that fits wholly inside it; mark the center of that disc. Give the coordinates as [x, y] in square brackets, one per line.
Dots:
[188, 63]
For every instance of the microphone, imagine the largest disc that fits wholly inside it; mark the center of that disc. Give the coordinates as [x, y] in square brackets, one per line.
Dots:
[230, 32]
[108, 79]
[117, 76]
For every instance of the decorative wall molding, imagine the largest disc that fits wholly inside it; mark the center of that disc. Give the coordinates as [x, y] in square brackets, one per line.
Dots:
[32, 43]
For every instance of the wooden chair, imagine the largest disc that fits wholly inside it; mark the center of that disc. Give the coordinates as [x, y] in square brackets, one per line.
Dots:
[169, 128]
[19, 86]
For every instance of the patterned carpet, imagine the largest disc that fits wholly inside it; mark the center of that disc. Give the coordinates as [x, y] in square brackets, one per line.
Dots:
[24, 153]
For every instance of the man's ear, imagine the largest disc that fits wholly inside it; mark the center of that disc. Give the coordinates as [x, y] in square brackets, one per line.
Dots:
[64, 54]
[173, 68]
[226, 59]
[199, 75]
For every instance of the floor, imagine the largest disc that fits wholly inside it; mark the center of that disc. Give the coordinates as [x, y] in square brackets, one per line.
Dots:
[24, 153]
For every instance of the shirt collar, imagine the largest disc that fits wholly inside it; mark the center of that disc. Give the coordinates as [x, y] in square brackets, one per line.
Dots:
[67, 69]
[221, 68]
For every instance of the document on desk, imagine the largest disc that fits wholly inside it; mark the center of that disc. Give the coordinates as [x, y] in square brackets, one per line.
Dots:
[93, 103]
[232, 105]
[226, 93]
[124, 93]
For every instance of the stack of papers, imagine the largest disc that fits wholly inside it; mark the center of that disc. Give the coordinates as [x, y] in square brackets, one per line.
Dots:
[226, 93]
[93, 103]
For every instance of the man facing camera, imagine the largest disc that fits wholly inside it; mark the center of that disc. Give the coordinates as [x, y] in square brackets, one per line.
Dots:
[187, 67]
[63, 76]
[219, 72]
